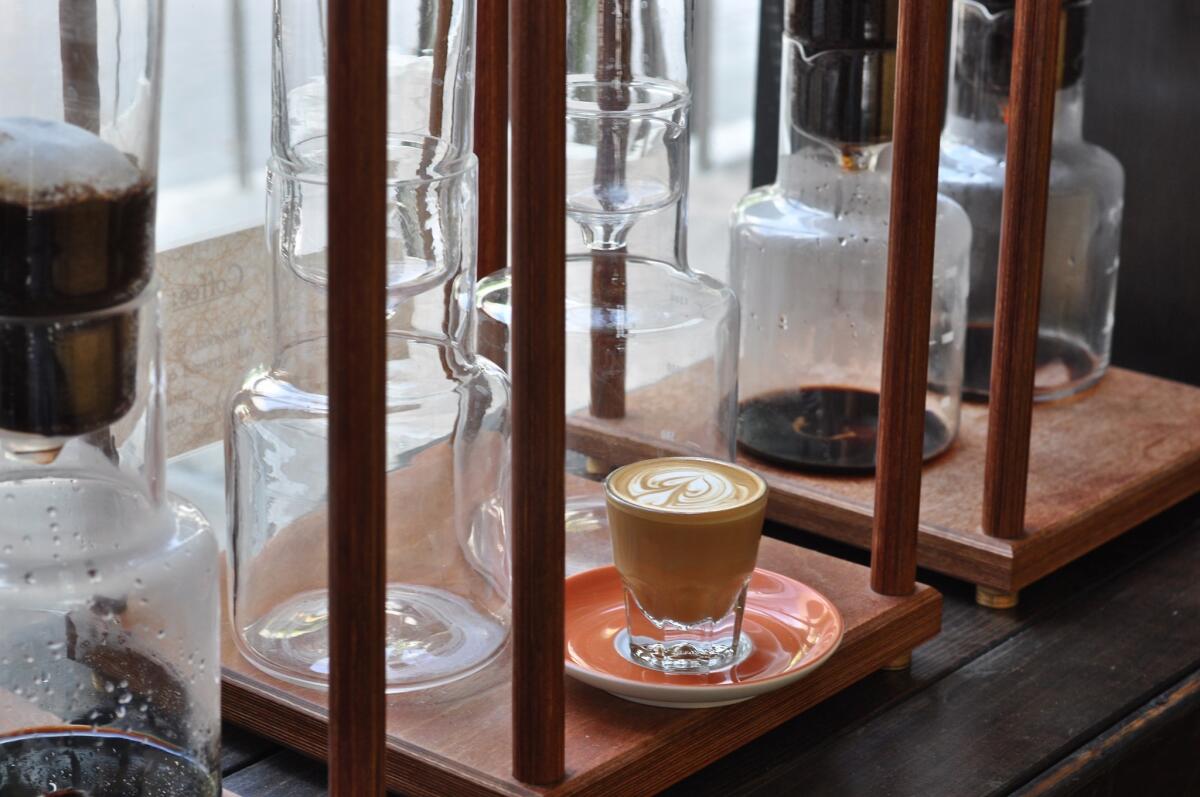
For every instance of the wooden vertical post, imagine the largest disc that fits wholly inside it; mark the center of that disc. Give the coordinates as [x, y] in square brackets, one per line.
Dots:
[539, 108]
[491, 133]
[920, 77]
[1019, 281]
[357, 273]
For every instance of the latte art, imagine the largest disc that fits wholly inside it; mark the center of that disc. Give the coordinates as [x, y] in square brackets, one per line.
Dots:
[685, 485]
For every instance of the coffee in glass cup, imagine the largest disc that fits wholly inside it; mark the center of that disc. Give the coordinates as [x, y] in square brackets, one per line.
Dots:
[685, 533]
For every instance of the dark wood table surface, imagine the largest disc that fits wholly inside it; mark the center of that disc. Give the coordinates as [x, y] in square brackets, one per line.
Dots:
[1090, 686]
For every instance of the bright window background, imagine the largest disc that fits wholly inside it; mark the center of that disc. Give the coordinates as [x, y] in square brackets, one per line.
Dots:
[217, 117]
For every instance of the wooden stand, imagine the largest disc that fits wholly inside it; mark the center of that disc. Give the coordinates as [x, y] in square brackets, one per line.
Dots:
[1025, 489]
[1100, 464]
[457, 739]
[517, 722]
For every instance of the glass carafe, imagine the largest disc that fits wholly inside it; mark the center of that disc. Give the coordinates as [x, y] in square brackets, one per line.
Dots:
[1083, 212]
[651, 344]
[109, 665]
[447, 412]
[809, 256]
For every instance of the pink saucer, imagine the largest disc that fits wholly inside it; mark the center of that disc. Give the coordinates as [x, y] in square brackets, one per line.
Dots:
[792, 628]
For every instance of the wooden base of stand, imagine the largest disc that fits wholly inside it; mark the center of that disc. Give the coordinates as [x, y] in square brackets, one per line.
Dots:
[457, 739]
[996, 599]
[900, 663]
[1100, 463]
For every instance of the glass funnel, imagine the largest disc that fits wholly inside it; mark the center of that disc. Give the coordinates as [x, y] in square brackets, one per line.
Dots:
[109, 667]
[651, 345]
[809, 256]
[1083, 211]
[447, 410]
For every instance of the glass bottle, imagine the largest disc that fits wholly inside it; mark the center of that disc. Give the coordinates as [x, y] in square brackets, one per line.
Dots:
[1083, 212]
[809, 255]
[109, 665]
[651, 344]
[447, 412]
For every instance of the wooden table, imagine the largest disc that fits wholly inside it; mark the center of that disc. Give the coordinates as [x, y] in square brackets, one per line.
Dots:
[1091, 686]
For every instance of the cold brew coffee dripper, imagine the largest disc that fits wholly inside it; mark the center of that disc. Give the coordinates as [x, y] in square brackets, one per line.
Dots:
[109, 666]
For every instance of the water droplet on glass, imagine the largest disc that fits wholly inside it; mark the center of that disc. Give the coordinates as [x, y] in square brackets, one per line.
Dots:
[162, 634]
[109, 687]
[8, 549]
[9, 497]
[120, 712]
[51, 511]
[29, 578]
[783, 322]
[125, 699]
[842, 240]
[94, 575]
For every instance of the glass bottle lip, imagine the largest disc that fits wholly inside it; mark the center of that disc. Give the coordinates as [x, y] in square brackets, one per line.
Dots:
[315, 170]
[131, 306]
[649, 96]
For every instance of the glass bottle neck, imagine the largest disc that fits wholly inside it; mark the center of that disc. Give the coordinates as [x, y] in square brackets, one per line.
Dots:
[987, 128]
[438, 313]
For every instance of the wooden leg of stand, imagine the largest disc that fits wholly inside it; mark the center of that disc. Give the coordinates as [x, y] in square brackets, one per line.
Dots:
[996, 598]
[899, 663]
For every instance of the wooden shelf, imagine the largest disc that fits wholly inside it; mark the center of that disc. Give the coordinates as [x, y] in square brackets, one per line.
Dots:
[1100, 463]
[457, 739]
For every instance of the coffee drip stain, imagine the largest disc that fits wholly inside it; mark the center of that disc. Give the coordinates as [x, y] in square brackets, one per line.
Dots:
[823, 428]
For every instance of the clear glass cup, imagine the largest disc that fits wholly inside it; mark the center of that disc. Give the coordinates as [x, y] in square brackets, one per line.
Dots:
[651, 344]
[809, 258]
[109, 668]
[447, 432]
[685, 534]
[1083, 210]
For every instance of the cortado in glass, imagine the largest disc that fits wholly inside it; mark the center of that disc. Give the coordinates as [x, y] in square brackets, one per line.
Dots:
[685, 534]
